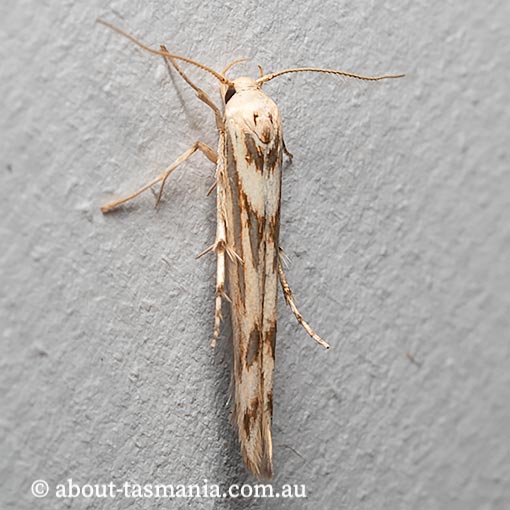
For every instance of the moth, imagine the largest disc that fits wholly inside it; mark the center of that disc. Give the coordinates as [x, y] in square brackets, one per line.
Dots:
[248, 182]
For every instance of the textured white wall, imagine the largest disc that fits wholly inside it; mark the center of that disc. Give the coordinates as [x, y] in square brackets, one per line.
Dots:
[395, 215]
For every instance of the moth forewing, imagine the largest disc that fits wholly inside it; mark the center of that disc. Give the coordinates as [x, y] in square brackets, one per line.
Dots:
[253, 157]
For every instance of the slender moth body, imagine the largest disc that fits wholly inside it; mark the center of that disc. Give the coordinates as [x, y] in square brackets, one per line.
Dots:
[252, 189]
[248, 190]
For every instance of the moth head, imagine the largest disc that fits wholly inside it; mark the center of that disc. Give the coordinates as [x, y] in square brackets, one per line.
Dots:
[242, 84]
[228, 90]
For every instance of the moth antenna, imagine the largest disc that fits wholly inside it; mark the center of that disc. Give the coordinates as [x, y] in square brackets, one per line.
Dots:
[232, 64]
[268, 77]
[218, 76]
[261, 72]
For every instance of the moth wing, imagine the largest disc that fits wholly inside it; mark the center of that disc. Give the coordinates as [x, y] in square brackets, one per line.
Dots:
[253, 155]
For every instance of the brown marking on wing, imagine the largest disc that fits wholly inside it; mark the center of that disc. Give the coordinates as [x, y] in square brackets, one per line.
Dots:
[250, 416]
[253, 345]
[247, 424]
[269, 402]
[240, 369]
[270, 338]
[254, 154]
[265, 134]
[256, 224]
[274, 158]
[273, 226]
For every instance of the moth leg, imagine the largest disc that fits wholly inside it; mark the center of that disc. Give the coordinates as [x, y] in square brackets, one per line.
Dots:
[220, 289]
[287, 153]
[209, 153]
[200, 93]
[289, 299]
[220, 246]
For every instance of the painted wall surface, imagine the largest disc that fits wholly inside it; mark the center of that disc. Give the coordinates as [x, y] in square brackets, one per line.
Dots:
[395, 217]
